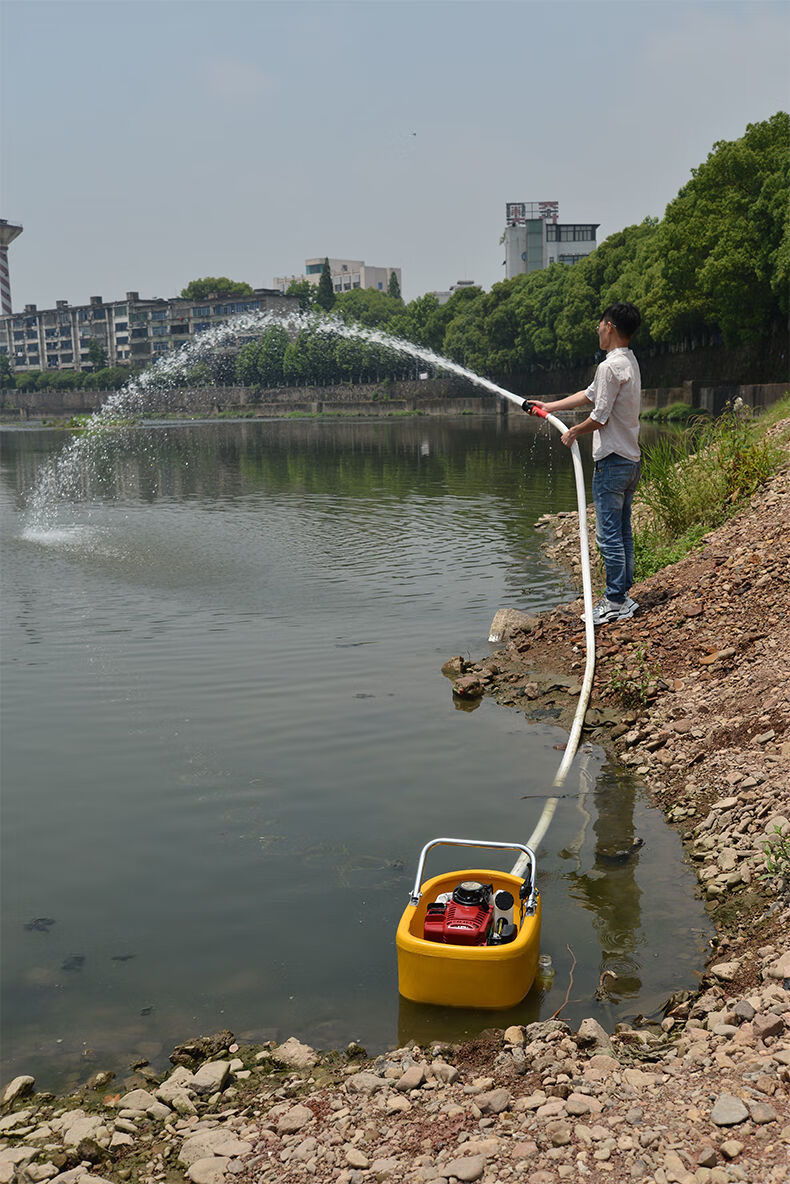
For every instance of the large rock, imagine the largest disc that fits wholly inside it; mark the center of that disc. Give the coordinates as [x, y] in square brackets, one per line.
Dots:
[13, 1160]
[542, 1029]
[17, 1089]
[494, 1102]
[87, 1128]
[217, 1142]
[194, 1052]
[366, 1083]
[137, 1099]
[412, 1078]
[211, 1077]
[592, 1035]
[728, 1111]
[208, 1171]
[295, 1055]
[781, 968]
[11, 1121]
[294, 1120]
[508, 621]
[177, 1085]
[766, 1025]
[726, 971]
[467, 1167]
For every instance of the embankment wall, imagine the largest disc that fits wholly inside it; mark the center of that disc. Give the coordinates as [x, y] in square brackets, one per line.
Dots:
[440, 396]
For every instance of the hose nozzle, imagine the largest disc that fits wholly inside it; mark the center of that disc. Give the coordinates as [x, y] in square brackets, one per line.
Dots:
[533, 409]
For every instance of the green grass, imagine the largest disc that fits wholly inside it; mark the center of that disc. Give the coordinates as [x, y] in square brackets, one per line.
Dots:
[692, 483]
[652, 552]
[674, 413]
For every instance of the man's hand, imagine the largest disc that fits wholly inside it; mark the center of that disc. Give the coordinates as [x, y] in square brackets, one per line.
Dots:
[569, 438]
[584, 428]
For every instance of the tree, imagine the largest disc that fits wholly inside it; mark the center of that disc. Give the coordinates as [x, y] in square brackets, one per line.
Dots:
[215, 286]
[7, 380]
[325, 297]
[271, 356]
[305, 291]
[97, 354]
[247, 364]
[393, 287]
[723, 241]
[367, 306]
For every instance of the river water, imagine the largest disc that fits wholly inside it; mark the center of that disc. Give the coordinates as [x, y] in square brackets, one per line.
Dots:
[226, 738]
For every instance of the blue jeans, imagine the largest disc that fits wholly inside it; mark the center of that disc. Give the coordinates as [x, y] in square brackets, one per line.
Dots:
[614, 483]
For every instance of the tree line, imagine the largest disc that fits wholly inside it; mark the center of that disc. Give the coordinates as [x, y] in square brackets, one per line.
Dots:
[714, 270]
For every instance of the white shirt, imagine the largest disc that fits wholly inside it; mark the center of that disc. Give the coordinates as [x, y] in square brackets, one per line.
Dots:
[616, 394]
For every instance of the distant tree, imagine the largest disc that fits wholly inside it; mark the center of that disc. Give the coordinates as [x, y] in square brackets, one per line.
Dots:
[367, 306]
[46, 380]
[7, 380]
[393, 287]
[247, 364]
[422, 321]
[271, 356]
[199, 375]
[212, 285]
[97, 354]
[305, 291]
[325, 297]
[69, 380]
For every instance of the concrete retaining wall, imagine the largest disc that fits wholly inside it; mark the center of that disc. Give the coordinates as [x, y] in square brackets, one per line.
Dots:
[440, 396]
[433, 397]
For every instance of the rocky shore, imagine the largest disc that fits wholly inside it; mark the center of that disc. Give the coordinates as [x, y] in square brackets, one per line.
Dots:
[693, 694]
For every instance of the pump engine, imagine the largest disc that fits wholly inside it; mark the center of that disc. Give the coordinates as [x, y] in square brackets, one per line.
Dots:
[463, 920]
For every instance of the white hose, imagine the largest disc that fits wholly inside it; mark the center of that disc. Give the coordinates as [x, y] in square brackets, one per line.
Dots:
[589, 670]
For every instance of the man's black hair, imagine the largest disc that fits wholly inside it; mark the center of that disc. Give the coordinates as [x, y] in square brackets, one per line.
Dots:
[625, 318]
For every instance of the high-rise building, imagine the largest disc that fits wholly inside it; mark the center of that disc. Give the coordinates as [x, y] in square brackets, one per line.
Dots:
[534, 237]
[8, 232]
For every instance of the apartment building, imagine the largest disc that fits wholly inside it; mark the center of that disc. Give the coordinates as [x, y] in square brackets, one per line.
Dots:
[132, 331]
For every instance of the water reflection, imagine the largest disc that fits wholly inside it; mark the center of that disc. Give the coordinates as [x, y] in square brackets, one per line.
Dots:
[609, 888]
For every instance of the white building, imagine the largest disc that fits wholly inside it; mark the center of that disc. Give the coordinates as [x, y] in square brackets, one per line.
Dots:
[534, 237]
[444, 296]
[129, 332]
[346, 275]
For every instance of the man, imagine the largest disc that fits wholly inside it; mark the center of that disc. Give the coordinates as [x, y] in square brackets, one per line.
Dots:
[615, 394]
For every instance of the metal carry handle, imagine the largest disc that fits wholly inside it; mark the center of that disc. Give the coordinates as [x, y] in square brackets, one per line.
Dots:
[414, 898]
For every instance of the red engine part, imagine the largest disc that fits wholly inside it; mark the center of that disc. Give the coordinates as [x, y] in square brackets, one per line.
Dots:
[458, 924]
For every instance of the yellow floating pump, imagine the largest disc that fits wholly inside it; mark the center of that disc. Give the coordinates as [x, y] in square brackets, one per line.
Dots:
[470, 938]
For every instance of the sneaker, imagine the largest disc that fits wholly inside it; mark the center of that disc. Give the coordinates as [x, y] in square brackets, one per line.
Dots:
[628, 609]
[607, 611]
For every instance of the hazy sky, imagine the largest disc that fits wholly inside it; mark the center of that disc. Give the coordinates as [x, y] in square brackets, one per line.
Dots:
[147, 143]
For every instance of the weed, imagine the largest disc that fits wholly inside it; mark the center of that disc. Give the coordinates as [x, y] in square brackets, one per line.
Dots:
[633, 682]
[777, 855]
[692, 483]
